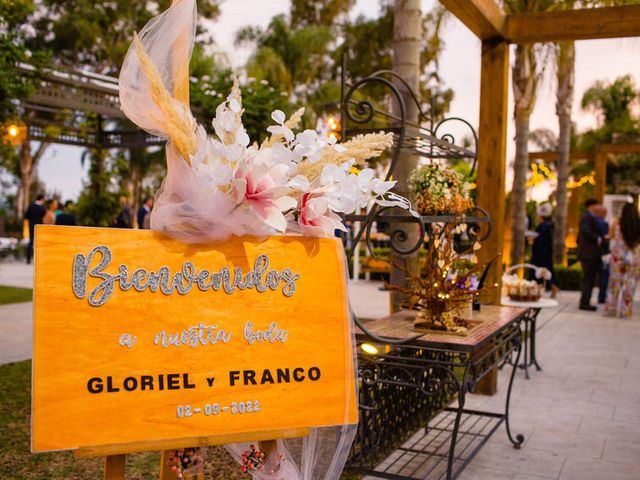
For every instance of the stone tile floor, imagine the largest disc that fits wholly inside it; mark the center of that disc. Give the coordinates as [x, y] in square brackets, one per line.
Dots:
[580, 416]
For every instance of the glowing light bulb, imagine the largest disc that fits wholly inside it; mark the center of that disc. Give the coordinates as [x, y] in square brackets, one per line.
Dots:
[368, 348]
[13, 131]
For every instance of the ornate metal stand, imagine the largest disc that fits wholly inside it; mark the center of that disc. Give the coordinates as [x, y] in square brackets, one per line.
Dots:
[410, 386]
[428, 138]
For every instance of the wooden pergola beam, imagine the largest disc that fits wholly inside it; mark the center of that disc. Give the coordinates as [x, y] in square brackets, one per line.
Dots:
[620, 148]
[483, 17]
[580, 24]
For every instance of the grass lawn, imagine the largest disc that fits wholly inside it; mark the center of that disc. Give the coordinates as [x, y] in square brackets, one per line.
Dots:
[15, 295]
[17, 462]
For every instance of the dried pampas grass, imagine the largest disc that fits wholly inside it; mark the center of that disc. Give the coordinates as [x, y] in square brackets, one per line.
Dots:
[180, 124]
[292, 123]
[360, 149]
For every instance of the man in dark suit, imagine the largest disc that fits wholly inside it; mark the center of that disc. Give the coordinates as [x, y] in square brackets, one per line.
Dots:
[66, 217]
[603, 273]
[123, 220]
[144, 210]
[35, 215]
[589, 252]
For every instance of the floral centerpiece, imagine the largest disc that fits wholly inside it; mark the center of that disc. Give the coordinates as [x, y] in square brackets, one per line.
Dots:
[439, 190]
[446, 284]
[223, 185]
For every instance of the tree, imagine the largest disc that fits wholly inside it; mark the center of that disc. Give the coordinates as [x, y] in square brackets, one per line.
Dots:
[94, 34]
[294, 59]
[15, 87]
[614, 103]
[565, 66]
[318, 12]
[526, 71]
[368, 46]
[565, 60]
[407, 35]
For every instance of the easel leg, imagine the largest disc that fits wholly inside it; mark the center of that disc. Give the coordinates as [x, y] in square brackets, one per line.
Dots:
[165, 470]
[114, 467]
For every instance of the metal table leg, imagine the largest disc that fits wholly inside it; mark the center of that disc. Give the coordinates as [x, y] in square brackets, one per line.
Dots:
[532, 354]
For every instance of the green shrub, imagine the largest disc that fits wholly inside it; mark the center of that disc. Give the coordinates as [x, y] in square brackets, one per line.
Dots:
[569, 278]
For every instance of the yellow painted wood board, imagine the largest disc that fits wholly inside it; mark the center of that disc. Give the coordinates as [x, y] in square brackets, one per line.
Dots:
[287, 354]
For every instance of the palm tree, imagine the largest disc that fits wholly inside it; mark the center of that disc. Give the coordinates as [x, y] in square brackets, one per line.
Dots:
[526, 72]
[292, 59]
[565, 61]
[407, 33]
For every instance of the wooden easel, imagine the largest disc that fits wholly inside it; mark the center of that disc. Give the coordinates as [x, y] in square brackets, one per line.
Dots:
[116, 455]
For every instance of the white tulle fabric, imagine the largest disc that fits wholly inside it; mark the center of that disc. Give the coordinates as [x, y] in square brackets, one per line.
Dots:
[185, 207]
[191, 211]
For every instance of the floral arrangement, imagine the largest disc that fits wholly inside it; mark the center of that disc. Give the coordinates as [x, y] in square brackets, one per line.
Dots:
[438, 190]
[253, 460]
[446, 283]
[184, 461]
[521, 290]
[292, 182]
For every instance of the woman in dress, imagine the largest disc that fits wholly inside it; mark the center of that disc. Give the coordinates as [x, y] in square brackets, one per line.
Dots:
[50, 217]
[624, 266]
[542, 249]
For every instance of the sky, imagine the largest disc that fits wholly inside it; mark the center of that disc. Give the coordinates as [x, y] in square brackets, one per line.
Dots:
[60, 168]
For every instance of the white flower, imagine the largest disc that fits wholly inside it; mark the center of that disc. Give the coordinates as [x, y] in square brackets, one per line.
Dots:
[280, 129]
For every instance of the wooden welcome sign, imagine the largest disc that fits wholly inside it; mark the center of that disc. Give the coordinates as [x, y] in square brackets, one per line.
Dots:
[139, 339]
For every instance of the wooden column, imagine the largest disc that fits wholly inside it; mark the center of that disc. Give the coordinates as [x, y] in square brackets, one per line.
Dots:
[600, 167]
[492, 138]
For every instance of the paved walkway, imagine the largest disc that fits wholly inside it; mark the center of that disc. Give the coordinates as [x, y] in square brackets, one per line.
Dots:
[16, 274]
[16, 320]
[580, 415]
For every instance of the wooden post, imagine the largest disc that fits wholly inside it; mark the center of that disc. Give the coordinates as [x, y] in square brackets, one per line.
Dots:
[114, 467]
[600, 167]
[492, 138]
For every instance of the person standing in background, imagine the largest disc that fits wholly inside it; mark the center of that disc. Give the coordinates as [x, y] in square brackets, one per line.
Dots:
[67, 217]
[625, 262]
[143, 211]
[603, 273]
[589, 252]
[50, 215]
[123, 220]
[542, 249]
[35, 216]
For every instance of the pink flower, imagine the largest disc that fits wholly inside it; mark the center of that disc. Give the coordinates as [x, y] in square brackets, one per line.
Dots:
[265, 190]
[316, 218]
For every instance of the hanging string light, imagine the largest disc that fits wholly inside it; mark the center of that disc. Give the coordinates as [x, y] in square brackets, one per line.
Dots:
[582, 181]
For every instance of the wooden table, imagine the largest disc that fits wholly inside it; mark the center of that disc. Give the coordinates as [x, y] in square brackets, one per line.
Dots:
[412, 378]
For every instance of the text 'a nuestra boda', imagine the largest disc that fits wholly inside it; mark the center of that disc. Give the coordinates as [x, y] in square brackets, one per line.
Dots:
[261, 278]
